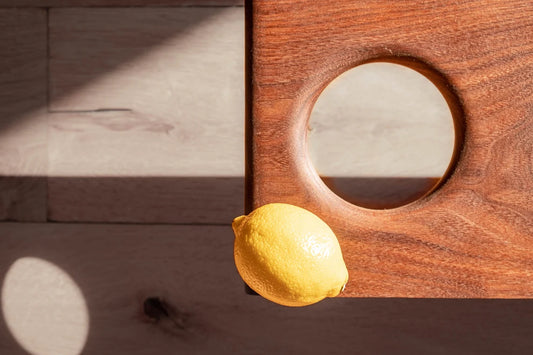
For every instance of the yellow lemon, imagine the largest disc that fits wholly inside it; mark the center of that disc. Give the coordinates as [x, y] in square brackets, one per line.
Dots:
[288, 255]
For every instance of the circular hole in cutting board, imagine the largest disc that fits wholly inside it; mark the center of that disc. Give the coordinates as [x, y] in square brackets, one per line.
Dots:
[381, 135]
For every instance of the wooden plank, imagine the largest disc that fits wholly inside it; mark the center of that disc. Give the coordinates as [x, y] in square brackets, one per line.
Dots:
[148, 199]
[380, 192]
[172, 152]
[396, 141]
[50, 272]
[116, 3]
[23, 127]
[158, 61]
[473, 236]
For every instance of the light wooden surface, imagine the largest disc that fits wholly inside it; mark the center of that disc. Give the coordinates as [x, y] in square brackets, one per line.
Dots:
[23, 126]
[182, 158]
[172, 200]
[173, 151]
[473, 236]
[115, 3]
[112, 269]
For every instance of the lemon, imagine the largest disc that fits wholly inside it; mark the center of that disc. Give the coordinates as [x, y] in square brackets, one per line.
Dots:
[288, 255]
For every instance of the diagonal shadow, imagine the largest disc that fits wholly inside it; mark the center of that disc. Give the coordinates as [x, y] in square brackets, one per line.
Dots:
[118, 267]
[29, 82]
[38, 75]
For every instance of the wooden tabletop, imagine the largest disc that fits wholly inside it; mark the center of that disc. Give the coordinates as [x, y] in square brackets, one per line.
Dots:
[121, 167]
[472, 237]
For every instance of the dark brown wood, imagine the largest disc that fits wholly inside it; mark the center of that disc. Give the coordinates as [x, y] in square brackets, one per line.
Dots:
[116, 3]
[473, 235]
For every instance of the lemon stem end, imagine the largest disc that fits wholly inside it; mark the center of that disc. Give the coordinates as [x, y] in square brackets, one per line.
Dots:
[237, 222]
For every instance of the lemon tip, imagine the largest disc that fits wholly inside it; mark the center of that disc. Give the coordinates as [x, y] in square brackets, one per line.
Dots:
[237, 222]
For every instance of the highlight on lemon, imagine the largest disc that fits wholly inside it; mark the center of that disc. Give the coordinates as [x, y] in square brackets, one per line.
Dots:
[288, 255]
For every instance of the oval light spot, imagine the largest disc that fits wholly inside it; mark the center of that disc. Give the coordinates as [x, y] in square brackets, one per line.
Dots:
[44, 309]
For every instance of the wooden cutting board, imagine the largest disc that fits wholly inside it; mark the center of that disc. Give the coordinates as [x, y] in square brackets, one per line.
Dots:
[472, 236]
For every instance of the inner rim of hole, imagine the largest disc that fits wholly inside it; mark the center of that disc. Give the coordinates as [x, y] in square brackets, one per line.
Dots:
[421, 186]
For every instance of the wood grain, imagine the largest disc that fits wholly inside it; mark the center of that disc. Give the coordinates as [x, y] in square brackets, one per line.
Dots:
[190, 269]
[116, 3]
[23, 126]
[473, 236]
[167, 146]
[153, 61]
[146, 199]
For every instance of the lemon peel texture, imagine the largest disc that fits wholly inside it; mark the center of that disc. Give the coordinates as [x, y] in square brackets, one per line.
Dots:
[288, 255]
